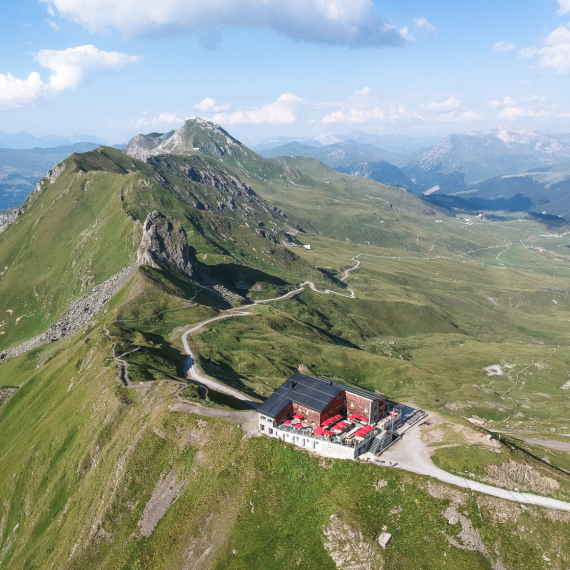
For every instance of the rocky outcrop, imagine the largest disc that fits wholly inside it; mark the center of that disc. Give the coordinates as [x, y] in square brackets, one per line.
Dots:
[8, 217]
[349, 549]
[80, 313]
[141, 146]
[164, 240]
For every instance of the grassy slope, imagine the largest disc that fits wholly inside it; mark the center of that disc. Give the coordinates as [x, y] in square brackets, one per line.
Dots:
[78, 482]
[98, 450]
[85, 227]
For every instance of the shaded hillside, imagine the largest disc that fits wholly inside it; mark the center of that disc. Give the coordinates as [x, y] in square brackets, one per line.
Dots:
[382, 172]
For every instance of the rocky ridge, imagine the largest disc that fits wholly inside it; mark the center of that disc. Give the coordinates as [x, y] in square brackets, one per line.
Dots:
[142, 146]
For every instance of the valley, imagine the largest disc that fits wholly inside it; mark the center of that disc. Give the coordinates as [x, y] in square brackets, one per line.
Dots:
[396, 295]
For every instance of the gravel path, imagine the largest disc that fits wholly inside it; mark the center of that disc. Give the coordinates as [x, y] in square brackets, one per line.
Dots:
[411, 454]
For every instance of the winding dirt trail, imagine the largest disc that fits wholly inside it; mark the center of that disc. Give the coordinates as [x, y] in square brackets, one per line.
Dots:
[194, 373]
[122, 373]
[412, 456]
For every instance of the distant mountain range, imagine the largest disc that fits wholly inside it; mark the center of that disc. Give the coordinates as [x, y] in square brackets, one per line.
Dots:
[20, 169]
[504, 168]
[340, 154]
[25, 140]
[545, 190]
[391, 143]
[458, 161]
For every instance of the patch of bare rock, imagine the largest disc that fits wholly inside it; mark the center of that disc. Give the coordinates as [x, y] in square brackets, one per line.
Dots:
[166, 491]
[522, 476]
[469, 538]
[349, 549]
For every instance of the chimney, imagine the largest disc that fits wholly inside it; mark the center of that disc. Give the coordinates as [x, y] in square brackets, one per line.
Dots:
[293, 384]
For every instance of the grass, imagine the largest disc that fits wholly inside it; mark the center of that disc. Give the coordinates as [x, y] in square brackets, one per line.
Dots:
[80, 455]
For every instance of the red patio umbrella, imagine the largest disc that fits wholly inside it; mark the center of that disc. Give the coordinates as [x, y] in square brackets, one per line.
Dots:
[298, 416]
[298, 426]
[287, 422]
[327, 432]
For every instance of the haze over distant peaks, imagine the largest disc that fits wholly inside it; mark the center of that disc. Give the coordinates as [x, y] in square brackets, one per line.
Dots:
[25, 140]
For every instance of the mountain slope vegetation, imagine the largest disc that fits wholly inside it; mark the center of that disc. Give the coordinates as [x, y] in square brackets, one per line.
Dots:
[110, 458]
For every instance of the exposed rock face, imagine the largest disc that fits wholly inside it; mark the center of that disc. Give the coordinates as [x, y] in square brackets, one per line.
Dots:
[349, 549]
[80, 313]
[219, 180]
[164, 239]
[166, 491]
[6, 392]
[141, 146]
[8, 217]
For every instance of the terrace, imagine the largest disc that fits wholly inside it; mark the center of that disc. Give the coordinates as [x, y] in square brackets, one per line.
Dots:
[354, 431]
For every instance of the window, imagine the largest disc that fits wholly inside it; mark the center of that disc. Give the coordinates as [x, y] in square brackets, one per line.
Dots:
[270, 431]
[261, 427]
[263, 418]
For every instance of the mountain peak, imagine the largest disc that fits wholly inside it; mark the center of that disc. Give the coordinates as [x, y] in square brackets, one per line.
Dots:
[513, 134]
[194, 136]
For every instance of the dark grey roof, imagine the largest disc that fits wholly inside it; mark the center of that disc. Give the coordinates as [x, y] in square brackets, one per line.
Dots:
[314, 393]
[357, 391]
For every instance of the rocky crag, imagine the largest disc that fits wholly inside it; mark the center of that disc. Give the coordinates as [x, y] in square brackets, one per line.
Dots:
[164, 240]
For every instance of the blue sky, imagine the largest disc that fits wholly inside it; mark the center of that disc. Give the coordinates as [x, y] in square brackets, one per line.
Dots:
[283, 67]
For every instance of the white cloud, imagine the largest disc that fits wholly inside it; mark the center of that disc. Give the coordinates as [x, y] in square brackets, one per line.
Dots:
[449, 105]
[564, 6]
[53, 25]
[556, 53]
[355, 115]
[446, 112]
[354, 23]
[209, 104]
[282, 112]
[405, 33]
[527, 53]
[69, 68]
[511, 110]
[506, 102]
[162, 119]
[423, 24]
[455, 117]
[503, 46]
[363, 92]
[513, 113]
